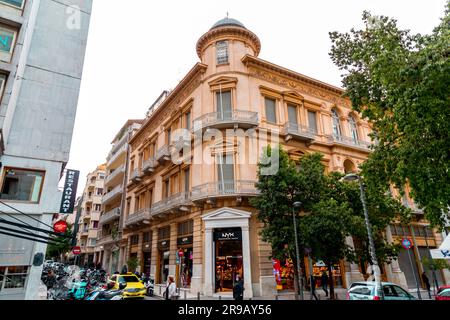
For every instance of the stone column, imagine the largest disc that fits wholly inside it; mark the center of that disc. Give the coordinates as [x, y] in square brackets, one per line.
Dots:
[153, 268]
[209, 260]
[248, 293]
[173, 250]
[139, 253]
[394, 273]
[352, 273]
[197, 268]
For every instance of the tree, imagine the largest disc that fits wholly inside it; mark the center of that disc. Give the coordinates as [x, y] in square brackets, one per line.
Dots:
[400, 83]
[62, 245]
[133, 263]
[331, 211]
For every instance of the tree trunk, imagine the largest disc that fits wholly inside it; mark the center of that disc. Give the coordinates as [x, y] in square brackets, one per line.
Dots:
[331, 281]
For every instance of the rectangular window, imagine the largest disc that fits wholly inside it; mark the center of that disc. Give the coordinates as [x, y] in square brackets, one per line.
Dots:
[186, 228]
[188, 120]
[101, 176]
[147, 237]
[312, 121]
[225, 172]
[13, 277]
[98, 207]
[22, 185]
[7, 41]
[187, 174]
[292, 114]
[166, 189]
[2, 85]
[224, 106]
[164, 233]
[271, 110]
[95, 225]
[99, 191]
[169, 136]
[222, 52]
[92, 242]
[14, 3]
[135, 240]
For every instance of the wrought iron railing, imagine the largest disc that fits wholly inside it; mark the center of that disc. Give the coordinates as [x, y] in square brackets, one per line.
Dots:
[349, 141]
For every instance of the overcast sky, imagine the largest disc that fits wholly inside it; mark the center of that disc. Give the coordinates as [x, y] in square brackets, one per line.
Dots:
[138, 48]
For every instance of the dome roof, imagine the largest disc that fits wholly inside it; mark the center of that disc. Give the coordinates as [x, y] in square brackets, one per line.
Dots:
[228, 22]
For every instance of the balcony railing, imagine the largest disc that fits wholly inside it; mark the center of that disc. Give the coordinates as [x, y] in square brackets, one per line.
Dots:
[163, 154]
[114, 156]
[298, 131]
[224, 188]
[138, 217]
[118, 145]
[223, 119]
[104, 239]
[178, 200]
[149, 166]
[135, 175]
[109, 216]
[112, 194]
[349, 141]
[115, 173]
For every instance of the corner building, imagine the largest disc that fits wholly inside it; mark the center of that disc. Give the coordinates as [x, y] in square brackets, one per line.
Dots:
[192, 219]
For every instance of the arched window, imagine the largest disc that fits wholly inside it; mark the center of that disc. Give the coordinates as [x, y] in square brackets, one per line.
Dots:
[336, 124]
[349, 166]
[353, 129]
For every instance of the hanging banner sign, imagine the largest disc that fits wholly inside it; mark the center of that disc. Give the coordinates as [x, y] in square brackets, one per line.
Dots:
[70, 192]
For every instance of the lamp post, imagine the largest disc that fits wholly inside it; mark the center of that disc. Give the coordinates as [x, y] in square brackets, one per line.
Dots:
[376, 268]
[297, 205]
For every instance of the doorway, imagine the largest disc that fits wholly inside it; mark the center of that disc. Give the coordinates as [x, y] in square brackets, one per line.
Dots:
[228, 258]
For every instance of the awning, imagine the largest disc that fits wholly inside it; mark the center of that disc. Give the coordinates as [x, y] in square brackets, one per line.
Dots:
[444, 250]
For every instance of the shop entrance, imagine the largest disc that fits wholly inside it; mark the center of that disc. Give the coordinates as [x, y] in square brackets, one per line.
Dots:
[228, 258]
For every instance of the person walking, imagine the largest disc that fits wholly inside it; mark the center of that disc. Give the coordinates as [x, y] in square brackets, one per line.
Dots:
[171, 290]
[324, 282]
[313, 287]
[238, 289]
[124, 269]
[426, 281]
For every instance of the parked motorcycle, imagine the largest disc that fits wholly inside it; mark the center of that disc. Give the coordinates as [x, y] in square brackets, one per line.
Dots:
[150, 286]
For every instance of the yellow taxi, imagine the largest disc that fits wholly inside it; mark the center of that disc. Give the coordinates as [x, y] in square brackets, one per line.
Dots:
[131, 285]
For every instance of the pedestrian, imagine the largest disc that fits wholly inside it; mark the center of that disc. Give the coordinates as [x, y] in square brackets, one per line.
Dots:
[124, 270]
[50, 280]
[238, 289]
[324, 281]
[427, 283]
[171, 290]
[313, 288]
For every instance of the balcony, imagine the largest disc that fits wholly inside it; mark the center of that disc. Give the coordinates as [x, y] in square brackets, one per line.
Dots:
[84, 233]
[113, 157]
[104, 239]
[135, 175]
[110, 216]
[89, 199]
[294, 131]
[112, 195]
[118, 145]
[350, 142]
[142, 216]
[219, 189]
[228, 119]
[163, 154]
[116, 176]
[149, 166]
[180, 201]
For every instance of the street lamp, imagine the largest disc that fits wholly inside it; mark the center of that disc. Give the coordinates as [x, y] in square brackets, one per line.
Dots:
[376, 268]
[297, 205]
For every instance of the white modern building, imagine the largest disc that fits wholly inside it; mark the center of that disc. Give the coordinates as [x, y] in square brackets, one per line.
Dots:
[42, 49]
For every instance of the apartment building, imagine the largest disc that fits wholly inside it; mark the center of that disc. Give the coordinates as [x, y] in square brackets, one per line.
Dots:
[41, 62]
[110, 234]
[88, 222]
[193, 166]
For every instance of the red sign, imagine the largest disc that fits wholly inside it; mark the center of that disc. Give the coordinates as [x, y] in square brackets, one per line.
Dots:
[60, 226]
[180, 253]
[76, 250]
[406, 243]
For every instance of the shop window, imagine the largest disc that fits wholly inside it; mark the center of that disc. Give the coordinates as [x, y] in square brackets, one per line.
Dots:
[222, 52]
[22, 185]
[185, 245]
[15, 3]
[13, 277]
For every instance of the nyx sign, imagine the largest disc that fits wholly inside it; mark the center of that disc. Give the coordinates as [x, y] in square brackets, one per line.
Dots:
[235, 235]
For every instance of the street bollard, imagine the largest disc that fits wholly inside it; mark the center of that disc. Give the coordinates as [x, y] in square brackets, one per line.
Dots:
[185, 295]
[198, 295]
[220, 297]
[276, 297]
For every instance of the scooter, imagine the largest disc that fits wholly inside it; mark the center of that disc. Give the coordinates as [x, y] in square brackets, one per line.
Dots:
[103, 294]
[149, 285]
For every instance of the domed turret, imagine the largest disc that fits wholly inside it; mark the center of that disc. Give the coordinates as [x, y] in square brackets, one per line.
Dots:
[228, 22]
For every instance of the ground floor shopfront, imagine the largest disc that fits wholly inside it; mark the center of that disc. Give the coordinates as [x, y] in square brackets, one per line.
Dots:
[206, 251]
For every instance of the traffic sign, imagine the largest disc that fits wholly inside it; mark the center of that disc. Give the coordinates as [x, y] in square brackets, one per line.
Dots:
[76, 250]
[181, 253]
[60, 226]
[406, 243]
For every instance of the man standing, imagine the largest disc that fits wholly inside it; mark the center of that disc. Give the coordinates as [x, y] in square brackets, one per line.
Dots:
[427, 283]
[324, 281]
[238, 289]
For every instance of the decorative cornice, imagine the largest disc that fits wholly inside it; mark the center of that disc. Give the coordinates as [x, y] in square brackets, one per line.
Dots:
[294, 81]
[173, 101]
[228, 31]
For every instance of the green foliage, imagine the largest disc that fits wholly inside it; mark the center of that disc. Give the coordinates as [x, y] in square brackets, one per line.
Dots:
[132, 264]
[435, 264]
[63, 246]
[400, 82]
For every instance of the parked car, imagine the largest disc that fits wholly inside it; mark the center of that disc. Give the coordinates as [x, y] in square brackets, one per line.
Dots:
[372, 291]
[134, 287]
[443, 294]
[442, 288]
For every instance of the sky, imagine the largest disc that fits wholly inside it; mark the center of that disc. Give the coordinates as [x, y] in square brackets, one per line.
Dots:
[138, 48]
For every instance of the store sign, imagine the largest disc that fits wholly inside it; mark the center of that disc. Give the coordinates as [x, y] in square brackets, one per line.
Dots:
[185, 240]
[164, 244]
[60, 226]
[440, 254]
[76, 250]
[228, 236]
[70, 192]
